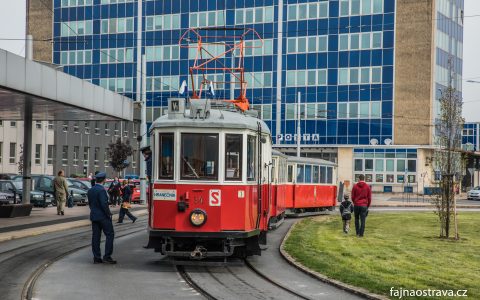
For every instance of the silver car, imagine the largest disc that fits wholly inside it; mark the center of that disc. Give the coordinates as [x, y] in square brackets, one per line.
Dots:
[474, 194]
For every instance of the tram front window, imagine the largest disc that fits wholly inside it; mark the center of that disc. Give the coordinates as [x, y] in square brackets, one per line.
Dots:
[233, 156]
[199, 156]
[166, 156]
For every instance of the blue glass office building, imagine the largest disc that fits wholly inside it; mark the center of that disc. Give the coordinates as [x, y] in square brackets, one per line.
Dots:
[339, 55]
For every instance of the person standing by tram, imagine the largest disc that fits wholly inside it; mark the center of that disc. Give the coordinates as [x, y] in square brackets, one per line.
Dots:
[101, 219]
[147, 155]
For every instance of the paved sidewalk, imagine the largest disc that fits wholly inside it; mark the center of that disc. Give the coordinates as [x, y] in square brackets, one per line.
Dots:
[44, 220]
[412, 200]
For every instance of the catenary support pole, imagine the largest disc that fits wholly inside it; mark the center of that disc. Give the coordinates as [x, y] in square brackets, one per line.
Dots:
[299, 133]
[27, 134]
[143, 130]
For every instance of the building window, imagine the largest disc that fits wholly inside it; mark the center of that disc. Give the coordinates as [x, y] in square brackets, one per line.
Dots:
[13, 153]
[1, 123]
[51, 151]
[73, 3]
[38, 153]
[80, 57]
[76, 154]
[254, 15]
[360, 7]
[125, 133]
[115, 1]
[106, 157]
[306, 77]
[307, 44]
[86, 150]
[116, 55]
[162, 22]
[207, 19]
[96, 154]
[87, 127]
[1, 152]
[64, 155]
[75, 126]
[107, 129]
[305, 11]
[119, 85]
[38, 124]
[65, 126]
[256, 80]
[162, 53]
[360, 41]
[359, 110]
[119, 25]
[163, 83]
[366, 75]
[264, 111]
[97, 128]
[76, 28]
[13, 124]
[50, 125]
[115, 131]
[134, 159]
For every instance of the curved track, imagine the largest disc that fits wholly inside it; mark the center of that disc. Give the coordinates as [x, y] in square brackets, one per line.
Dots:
[17, 262]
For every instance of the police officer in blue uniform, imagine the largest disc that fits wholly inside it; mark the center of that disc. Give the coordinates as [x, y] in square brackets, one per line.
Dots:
[101, 218]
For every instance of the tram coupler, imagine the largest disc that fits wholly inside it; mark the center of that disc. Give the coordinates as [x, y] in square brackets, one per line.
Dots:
[199, 253]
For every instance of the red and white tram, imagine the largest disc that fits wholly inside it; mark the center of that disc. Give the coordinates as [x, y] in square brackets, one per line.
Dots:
[310, 186]
[211, 193]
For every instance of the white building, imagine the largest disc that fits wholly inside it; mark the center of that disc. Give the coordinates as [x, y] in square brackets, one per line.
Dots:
[11, 140]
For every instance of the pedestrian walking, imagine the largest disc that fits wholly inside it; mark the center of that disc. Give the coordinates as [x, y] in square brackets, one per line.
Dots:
[126, 199]
[101, 219]
[60, 190]
[114, 191]
[362, 198]
[346, 210]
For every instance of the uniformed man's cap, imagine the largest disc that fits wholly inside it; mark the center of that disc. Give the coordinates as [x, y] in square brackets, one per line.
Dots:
[101, 175]
[144, 149]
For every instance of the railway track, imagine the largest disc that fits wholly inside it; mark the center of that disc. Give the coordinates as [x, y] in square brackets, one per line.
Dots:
[244, 281]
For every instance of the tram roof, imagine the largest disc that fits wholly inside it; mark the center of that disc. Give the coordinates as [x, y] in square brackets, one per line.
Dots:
[217, 119]
[309, 160]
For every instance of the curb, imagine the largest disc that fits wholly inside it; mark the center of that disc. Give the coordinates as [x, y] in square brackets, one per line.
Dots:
[346, 287]
[13, 235]
[420, 206]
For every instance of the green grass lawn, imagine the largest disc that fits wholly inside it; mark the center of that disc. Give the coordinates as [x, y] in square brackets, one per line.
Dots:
[399, 250]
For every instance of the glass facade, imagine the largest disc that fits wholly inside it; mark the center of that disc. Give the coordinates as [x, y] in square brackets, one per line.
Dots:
[337, 54]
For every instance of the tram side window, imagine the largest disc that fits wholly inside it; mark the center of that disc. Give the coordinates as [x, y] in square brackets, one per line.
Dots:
[316, 175]
[323, 175]
[199, 156]
[251, 157]
[290, 173]
[233, 156]
[300, 173]
[166, 156]
[329, 175]
[273, 176]
[308, 174]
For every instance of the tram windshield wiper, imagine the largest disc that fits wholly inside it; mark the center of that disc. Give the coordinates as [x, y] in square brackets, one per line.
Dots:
[191, 168]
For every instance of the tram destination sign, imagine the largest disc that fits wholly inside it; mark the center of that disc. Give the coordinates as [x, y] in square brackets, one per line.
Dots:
[164, 195]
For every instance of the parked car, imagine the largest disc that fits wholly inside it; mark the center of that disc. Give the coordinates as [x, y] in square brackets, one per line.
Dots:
[6, 198]
[44, 183]
[7, 176]
[15, 188]
[81, 184]
[474, 194]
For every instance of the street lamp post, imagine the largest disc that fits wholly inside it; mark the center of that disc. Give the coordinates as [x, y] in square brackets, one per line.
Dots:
[298, 123]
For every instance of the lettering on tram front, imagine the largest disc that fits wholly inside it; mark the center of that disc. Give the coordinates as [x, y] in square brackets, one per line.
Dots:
[215, 197]
[164, 195]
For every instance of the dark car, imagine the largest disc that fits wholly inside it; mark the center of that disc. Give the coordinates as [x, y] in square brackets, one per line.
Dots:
[7, 176]
[6, 198]
[44, 183]
[81, 184]
[15, 188]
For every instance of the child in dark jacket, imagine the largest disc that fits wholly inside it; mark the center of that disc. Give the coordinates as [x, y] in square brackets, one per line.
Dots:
[346, 210]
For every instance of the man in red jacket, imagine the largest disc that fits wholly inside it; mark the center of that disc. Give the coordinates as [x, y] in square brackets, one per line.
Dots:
[361, 197]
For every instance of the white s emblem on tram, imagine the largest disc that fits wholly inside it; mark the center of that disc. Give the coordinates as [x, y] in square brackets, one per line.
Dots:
[215, 197]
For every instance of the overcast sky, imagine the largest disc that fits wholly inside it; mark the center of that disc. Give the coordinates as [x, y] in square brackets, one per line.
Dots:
[12, 26]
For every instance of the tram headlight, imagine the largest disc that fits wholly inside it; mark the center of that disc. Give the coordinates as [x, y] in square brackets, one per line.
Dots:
[198, 217]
